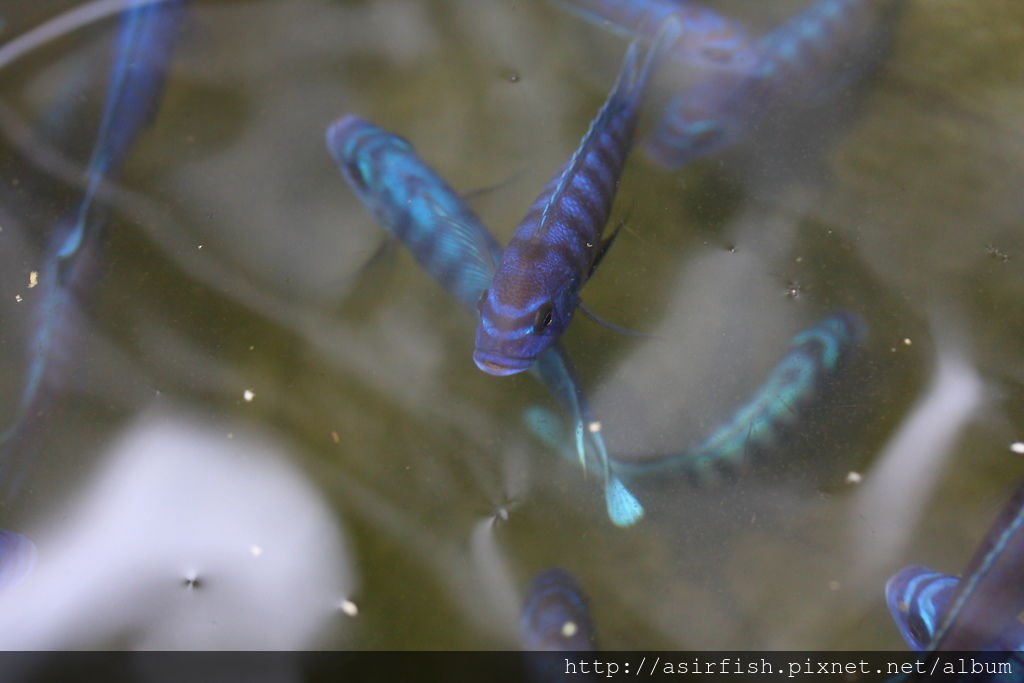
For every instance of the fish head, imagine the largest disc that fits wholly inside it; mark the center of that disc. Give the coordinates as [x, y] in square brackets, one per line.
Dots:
[918, 598]
[524, 311]
[696, 123]
[366, 155]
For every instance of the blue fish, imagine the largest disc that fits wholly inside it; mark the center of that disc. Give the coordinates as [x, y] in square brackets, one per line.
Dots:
[558, 244]
[144, 46]
[917, 598]
[412, 202]
[143, 50]
[555, 615]
[815, 356]
[987, 605]
[815, 54]
[707, 39]
[17, 558]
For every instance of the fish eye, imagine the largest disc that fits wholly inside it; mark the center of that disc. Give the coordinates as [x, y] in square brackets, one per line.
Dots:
[480, 301]
[918, 629]
[355, 174]
[545, 314]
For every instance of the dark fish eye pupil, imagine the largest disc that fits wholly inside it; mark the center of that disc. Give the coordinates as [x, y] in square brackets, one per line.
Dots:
[480, 301]
[545, 314]
[355, 172]
[917, 628]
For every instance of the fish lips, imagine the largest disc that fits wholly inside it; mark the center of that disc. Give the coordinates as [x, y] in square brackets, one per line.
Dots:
[498, 364]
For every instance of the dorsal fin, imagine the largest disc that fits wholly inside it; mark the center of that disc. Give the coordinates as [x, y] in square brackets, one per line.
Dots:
[626, 94]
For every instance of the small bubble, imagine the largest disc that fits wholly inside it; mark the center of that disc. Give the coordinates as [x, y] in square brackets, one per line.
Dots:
[33, 279]
[1017, 447]
[248, 395]
[348, 607]
[853, 478]
[569, 629]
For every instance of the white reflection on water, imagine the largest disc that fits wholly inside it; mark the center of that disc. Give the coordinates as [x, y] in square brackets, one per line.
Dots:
[896, 490]
[159, 549]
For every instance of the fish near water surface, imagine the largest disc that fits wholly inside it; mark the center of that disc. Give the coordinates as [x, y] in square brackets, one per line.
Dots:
[812, 56]
[555, 615]
[987, 604]
[143, 50]
[706, 38]
[814, 358]
[918, 598]
[558, 244]
[413, 203]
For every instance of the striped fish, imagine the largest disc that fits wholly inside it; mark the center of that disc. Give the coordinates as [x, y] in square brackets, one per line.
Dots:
[917, 598]
[143, 51]
[990, 598]
[815, 356]
[707, 39]
[413, 203]
[555, 615]
[558, 244]
[815, 54]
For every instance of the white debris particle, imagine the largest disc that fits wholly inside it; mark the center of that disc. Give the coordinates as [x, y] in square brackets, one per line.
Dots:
[255, 550]
[248, 395]
[834, 585]
[33, 279]
[906, 341]
[350, 608]
[17, 297]
[569, 629]
[594, 427]
[1017, 447]
[853, 478]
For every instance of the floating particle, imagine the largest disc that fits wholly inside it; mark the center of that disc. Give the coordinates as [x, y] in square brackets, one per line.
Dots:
[17, 297]
[33, 279]
[335, 438]
[511, 75]
[569, 629]
[853, 478]
[997, 253]
[1017, 447]
[907, 341]
[793, 289]
[191, 580]
[248, 395]
[199, 246]
[594, 427]
[255, 550]
[834, 585]
[350, 608]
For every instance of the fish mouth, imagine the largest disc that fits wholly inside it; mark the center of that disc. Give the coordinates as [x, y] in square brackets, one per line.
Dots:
[502, 366]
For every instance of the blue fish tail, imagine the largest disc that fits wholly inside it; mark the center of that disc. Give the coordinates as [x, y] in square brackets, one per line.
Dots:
[145, 42]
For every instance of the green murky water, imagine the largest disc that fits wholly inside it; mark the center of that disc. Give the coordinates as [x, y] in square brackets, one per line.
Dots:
[233, 261]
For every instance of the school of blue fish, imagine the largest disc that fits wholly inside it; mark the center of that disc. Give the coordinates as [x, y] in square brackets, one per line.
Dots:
[524, 295]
